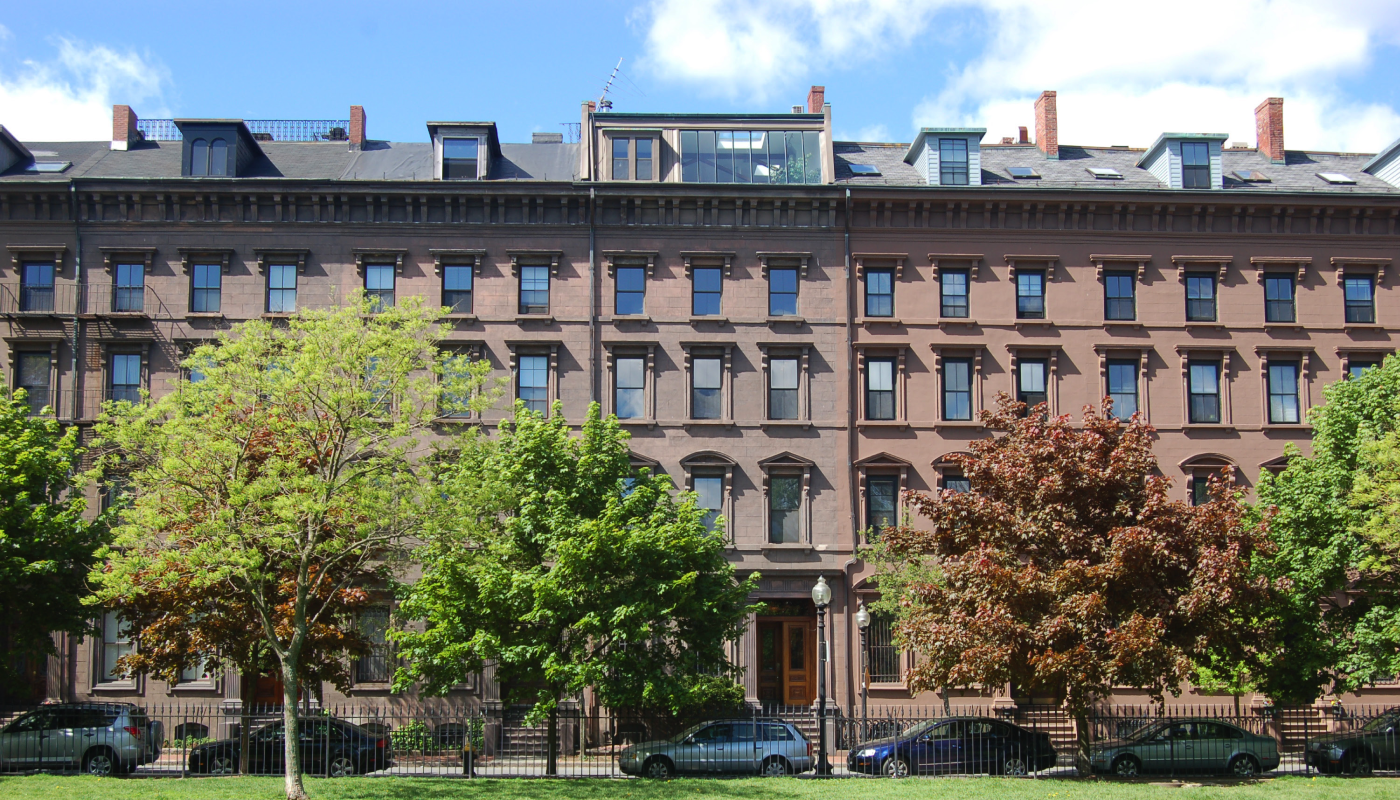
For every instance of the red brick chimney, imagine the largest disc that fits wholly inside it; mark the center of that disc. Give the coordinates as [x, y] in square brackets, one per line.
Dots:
[124, 132]
[815, 99]
[1024, 138]
[1047, 125]
[357, 127]
[1268, 128]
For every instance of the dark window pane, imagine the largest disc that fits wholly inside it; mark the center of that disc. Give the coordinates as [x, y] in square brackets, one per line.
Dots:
[884, 656]
[1200, 298]
[707, 156]
[957, 483]
[218, 157]
[126, 377]
[534, 290]
[1032, 382]
[953, 288]
[457, 289]
[706, 383]
[794, 170]
[1283, 393]
[957, 389]
[879, 293]
[724, 156]
[129, 287]
[758, 154]
[782, 292]
[879, 389]
[643, 159]
[1195, 165]
[631, 290]
[1360, 299]
[811, 147]
[782, 388]
[690, 156]
[1204, 389]
[36, 287]
[199, 157]
[1278, 298]
[204, 296]
[620, 170]
[707, 290]
[459, 159]
[952, 162]
[1030, 295]
[709, 495]
[881, 502]
[784, 508]
[1118, 296]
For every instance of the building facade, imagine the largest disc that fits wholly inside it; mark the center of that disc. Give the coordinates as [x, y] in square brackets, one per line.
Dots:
[793, 327]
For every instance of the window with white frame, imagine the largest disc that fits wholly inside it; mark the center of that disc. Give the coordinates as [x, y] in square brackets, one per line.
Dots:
[116, 643]
[709, 496]
[784, 508]
[1360, 293]
[460, 158]
[1204, 392]
[957, 389]
[1032, 382]
[706, 387]
[281, 288]
[630, 388]
[532, 382]
[1284, 407]
[1123, 387]
[880, 388]
[783, 381]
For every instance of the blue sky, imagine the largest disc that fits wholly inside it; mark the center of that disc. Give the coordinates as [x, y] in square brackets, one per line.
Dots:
[1124, 73]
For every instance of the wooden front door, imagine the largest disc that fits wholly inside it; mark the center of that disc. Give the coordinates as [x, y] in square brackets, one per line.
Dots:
[787, 661]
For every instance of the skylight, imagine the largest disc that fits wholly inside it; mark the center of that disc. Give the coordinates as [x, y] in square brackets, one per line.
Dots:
[1251, 176]
[1336, 177]
[1022, 172]
[864, 169]
[48, 166]
[1105, 173]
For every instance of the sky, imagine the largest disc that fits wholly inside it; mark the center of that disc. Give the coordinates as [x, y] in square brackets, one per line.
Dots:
[1124, 72]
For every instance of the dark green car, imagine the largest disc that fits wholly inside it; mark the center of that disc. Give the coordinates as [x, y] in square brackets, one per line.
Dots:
[1375, 745]
[1187, 746]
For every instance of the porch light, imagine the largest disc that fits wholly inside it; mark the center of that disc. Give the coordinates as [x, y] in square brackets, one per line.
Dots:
[821, 593]
[862, 617]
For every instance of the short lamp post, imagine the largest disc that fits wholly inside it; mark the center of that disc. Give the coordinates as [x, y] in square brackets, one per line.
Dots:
[821, 596]
[863, 623]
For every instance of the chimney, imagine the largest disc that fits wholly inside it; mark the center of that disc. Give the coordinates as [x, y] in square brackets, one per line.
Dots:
[1268, 128]
[1047, 125]
[1023, 138]
[357, 127]
[124, 132]
[816, 99]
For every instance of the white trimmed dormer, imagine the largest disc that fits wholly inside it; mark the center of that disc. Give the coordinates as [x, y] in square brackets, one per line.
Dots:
[1186, 160]
[462, 151]
[1386, 164]
[948, 156]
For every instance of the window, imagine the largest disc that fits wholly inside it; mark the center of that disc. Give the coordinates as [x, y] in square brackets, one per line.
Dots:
[32, 375]
[281, 288]
[705, 382]
[192, 673]
[1030, 294]
[457, 289]
[707, 286]
[1278, 298]
[460, 157]
[218, 158]
[957, 389]
[631, 388]
[379, 285]
[751, 157]
[204, 294]
[1205, 392]
[879, 389]
[782, 292]
[1031, 383]
[199, 157]
[952, 162]
[879, 293]
[882, 652]
[1361, 298]
[1195, 165]
[456, 377]
[631, 290]
[1283, 393]
[374, 666]
[1123, 388]
[957, 484]
[381, 390]
[953, 288]
[36, 287]
[129, 287]
[1118, 301]
[209, 158]
[784, 508]
[644, 159]
[116, 642]
[621, 162]
[709, 495]
[782, 388]
[126, 377]
[881, 502]
[532, 383]
[1200, 490]
[1200, 298]
[534, 290]
[1357, 366]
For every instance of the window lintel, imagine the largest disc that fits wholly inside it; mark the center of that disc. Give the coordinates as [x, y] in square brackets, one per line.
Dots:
[281, 254]
[457, 257]
[112, 255]
[189, 256]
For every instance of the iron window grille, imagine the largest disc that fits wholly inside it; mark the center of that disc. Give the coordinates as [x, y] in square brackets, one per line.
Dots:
[630, 388]
[879, 389]
[879, 293]
[1360, 299]
[1200, 298]
[707, 288]
[957, 389]
[1278, 298]
[1195, 165]
[952, 162]
[1123, 388]
[884, 654]
[1119, 299]
[782, 388]
[953, 290]
[1030, 294]
[631, 291]
[1283, 393]
[1204, 392]
[281, 288]
[375, 666]
[457, 288]
[534, 290]
[782, 292]
[36, 287]
[379, 285]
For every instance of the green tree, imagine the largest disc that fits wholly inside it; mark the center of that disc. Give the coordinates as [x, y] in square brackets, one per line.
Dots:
[554, 561]
[46, 548]
[284, 475]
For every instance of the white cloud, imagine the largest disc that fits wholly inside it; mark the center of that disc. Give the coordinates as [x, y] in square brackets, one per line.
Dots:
[71, 97]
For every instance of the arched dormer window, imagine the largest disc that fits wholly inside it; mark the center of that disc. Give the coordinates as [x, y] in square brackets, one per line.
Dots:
[1199, 469]
[199, 157]
[218, 157]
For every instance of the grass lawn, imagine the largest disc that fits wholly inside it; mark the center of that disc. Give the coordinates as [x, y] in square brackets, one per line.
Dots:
[49, 787]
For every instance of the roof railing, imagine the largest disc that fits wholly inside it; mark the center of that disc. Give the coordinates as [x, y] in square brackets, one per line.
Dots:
[264, 130]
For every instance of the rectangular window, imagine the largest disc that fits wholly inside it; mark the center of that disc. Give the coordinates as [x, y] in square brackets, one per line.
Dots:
[36, 286]
[1205, 392]
[1200, 298]
[621, 160]
[705, 385]
[953, 288]
[1361, 298]
[879, 293]
[644, 159]
[782, 292]
[1195, 165]
[782, 388]
[1278, 298]
[1031, 382]
[1118, 296]
[532, 383]
[957, 389]
[881, 502]
[1200, 490]
[126, 377]
[129, 288]
[1030, 294]
[1123, 388]
[631, 388]
[631, 291]
[457, 289]
[791, 157]
[709, 495]
[460, 157]
[456, 397]
[952, 162]
[204, 293]
[281, 288]
[784, 508]
[1355, 367]
[374, 666]
[534, 290]
[957, 484]
[116, 642]
[1283, 393]
[32, 375]
[707, 287]
[883, 653]
[879, 388]
[379, 285]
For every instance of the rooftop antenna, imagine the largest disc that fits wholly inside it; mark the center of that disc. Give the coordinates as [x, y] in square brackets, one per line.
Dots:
[604, 104]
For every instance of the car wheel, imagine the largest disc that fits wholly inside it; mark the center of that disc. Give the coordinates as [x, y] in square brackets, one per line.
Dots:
[1014, 767]
[773, 768]
[1244, 767]
[895, 768]
[340, 766]
[657, 768]
[1127, 767]
[222, 764]
[1359, 765]
[100, 763]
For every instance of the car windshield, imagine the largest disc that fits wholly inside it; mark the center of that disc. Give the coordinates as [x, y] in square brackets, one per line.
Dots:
[920, 728]
[1379, 724]
[1144, 733]
[685, 734]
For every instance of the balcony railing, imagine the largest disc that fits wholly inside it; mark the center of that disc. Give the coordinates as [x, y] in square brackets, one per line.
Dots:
[18, 299]
[50, 404]
[101, 299]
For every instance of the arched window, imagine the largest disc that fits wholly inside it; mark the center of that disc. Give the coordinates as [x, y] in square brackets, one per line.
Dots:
[218, 157]
[199, 157]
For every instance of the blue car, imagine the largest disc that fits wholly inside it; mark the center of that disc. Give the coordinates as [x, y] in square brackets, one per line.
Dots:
[956, 745]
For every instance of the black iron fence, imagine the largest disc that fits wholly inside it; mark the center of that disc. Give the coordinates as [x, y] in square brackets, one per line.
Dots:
[469, 740]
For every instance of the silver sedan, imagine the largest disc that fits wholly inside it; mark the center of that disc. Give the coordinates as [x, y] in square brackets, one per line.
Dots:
[762, 747]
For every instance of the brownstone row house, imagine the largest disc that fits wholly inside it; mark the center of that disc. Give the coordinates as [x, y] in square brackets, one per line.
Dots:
[794, 327]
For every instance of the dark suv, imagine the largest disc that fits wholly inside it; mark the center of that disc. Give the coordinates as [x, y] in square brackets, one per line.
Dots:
[101, 738]
[1375, 745]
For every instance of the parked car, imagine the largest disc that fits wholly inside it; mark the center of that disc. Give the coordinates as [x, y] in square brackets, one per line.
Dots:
[955, 745]
[1375, 745]
[102, 739]
[329, 746]
[743, 746]
[1186, 746]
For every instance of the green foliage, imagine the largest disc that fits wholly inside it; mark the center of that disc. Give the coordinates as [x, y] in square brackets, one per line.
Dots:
[553, 561]
[412, 735]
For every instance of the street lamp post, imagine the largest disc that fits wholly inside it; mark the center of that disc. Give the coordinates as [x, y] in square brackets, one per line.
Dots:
[821, 596]
[863, 623]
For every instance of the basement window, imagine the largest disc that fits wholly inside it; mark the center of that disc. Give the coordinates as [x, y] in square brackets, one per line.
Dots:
[1336, 177]
[1105, 173]
[1022, 172]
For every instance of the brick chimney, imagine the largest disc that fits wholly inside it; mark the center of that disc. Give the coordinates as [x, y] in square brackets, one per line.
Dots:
[815, 99]
[124, 132]
[1047, 126]
[1268, 128]
[1023, 138]
[357, 127]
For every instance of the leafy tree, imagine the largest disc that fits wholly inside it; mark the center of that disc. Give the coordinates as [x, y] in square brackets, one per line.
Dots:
[46, 548]
[1067, 570]
[292, 468]
[559, 565]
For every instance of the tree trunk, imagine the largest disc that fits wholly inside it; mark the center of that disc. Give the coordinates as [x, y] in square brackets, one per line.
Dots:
[291, 750]
[1082, 740]
[552, 763]
[249, 685]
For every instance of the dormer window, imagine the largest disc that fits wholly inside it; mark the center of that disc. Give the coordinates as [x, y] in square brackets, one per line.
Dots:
[460, 158]
[952, 162]
[1185, 160]
[463, 151]
[217, 148]
[633, 158]
[948, 156]
[751, 156]
[1195, 165]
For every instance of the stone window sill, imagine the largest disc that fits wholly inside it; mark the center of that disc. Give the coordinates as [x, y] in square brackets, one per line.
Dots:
[948, 322]
[547, 319]
[795, 321]
[718, 320]
[640, 319]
